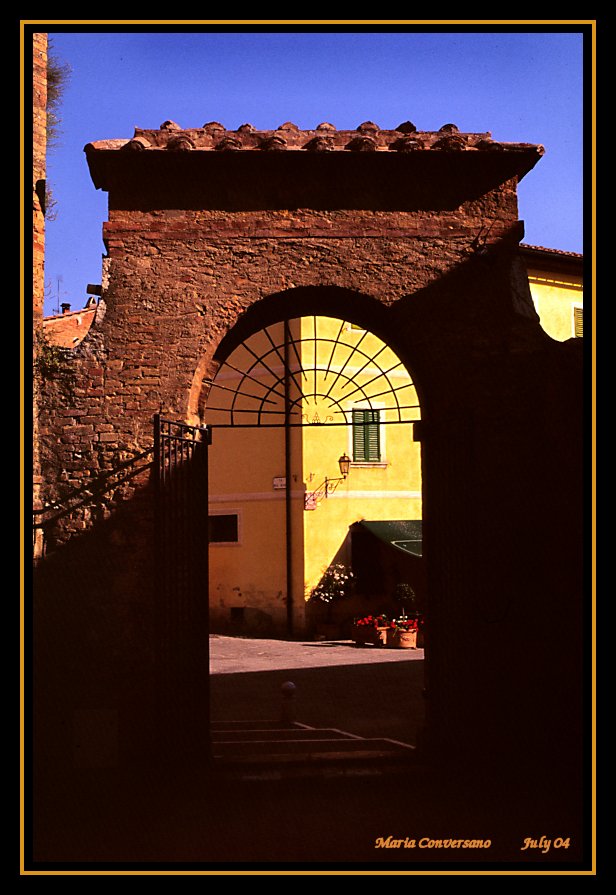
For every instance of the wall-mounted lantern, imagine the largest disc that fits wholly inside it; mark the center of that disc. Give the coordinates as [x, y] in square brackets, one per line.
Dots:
[344, 463]
[313, 498]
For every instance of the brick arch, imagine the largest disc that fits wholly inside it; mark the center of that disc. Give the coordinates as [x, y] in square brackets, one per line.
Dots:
[303, 301]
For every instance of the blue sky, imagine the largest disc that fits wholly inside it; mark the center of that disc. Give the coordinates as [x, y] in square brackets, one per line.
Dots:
[521, 86]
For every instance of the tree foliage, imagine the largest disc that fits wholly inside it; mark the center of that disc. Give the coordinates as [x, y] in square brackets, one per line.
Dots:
[58, 75]
[51, 363]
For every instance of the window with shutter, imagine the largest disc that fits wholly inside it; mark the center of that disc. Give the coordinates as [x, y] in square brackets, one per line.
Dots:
[366, 436]
[578, 322]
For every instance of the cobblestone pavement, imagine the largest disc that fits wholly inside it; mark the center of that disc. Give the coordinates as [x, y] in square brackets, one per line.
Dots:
[240, 654]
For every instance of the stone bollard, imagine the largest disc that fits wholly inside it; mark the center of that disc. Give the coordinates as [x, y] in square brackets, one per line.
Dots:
[287, 708]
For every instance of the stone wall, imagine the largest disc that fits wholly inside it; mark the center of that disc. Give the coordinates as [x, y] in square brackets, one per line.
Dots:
[180, 280]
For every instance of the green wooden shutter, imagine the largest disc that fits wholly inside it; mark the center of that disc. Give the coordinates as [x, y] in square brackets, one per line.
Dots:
[366, 436]
[372, 435]
[358, 435]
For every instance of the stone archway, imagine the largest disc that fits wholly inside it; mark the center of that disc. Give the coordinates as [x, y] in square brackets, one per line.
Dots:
[198, 236]
[268, 410]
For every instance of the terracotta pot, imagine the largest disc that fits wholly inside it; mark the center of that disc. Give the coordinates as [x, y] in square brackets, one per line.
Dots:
[407, 639]
[383, 636]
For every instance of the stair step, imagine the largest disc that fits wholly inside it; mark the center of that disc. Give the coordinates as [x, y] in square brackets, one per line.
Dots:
[312, 747]
[312, 758]
[279, 734]
[269, 750]
[216, 726]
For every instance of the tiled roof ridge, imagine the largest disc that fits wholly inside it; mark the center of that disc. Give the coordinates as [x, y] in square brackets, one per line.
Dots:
[526, 245]
[64, 314]
[325, 137]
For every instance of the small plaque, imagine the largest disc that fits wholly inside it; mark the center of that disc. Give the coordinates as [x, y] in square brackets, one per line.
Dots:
[279, 482]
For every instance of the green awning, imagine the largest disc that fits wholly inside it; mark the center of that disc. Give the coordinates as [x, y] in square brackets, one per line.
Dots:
[405, 535]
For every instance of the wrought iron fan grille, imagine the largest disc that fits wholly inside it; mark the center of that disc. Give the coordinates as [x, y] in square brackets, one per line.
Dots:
[310, 371]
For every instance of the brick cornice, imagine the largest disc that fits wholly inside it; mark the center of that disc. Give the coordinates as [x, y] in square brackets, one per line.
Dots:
[224, 228]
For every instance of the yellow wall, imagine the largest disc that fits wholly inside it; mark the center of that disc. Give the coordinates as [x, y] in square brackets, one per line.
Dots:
[555, 296]
[252, 573]
[246, 466]
[389, 489]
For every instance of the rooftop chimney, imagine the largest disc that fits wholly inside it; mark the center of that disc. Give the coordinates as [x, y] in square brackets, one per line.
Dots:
[65, 307]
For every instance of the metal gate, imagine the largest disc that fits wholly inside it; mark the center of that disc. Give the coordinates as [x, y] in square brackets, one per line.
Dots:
[180, 474]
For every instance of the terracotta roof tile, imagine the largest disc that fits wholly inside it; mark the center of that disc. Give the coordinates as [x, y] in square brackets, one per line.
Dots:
[172, 142]
[69, 329]
[561, 252]
[170, 136]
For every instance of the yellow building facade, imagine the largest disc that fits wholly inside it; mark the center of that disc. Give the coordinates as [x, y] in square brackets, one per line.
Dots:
[280, 507]
[285, 407]
[557, 288]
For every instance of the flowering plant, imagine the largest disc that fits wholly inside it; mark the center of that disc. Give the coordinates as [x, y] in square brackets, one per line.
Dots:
[373, 621]
[406, 624]
[336, 583]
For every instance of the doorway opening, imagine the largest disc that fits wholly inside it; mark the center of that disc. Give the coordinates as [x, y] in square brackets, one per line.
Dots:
[315, 471]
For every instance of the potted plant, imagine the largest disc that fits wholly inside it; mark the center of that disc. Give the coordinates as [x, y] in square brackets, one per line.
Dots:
[405, 596]
[406, 631]
[408, 628]
[374, 629]
[335, 585]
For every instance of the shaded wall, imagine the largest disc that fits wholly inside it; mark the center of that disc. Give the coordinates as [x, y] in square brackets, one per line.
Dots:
[501, 443]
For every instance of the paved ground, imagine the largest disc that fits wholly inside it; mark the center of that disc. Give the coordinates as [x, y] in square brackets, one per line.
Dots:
[368, 691]
[236, 654]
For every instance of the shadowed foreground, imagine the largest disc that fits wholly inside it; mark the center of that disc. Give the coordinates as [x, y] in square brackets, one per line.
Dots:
[211, 820]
